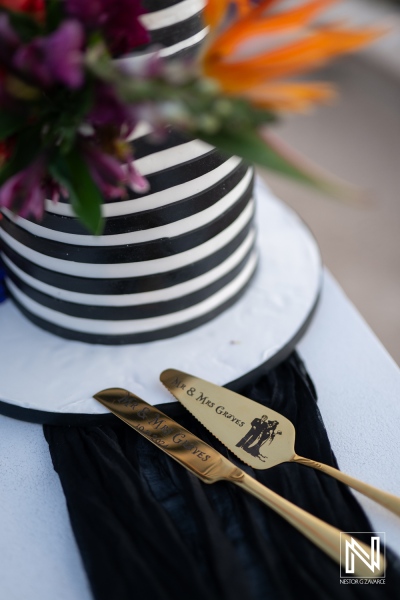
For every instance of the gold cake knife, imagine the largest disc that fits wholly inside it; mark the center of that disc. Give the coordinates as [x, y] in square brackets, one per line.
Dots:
[210, 466]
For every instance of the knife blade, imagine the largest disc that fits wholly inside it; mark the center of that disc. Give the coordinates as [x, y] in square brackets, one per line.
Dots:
[259, 436]
[210, 466]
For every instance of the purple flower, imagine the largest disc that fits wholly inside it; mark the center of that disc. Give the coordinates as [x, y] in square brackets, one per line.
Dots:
[54, 59]
[24, 193]
[110, 175]
[119, 21]
[109, 110]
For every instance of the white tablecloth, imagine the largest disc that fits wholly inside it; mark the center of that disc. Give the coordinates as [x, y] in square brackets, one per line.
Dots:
[358, 386]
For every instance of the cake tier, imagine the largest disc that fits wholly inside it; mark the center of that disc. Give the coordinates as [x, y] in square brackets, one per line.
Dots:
[168, 260]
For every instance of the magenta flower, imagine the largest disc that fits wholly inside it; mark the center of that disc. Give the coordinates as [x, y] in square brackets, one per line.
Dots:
[9, 40]
[54, 190]
[119, 21]
[24, 193]
[57, 58]
[106, 171]
[134, 179]
[110, 176]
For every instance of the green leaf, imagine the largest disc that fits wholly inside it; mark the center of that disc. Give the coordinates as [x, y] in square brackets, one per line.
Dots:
[62, 114]
[9, 124]
[272, 155]
[54, 14]
[58, 169]
[72, 172]
[82, 103]
[25, 25]
[25, 151]
[255, 150]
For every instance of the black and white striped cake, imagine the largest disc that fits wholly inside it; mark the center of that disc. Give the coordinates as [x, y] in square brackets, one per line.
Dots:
[168, 261]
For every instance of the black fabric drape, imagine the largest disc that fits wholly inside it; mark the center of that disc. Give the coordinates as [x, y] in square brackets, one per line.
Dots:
[147, 528]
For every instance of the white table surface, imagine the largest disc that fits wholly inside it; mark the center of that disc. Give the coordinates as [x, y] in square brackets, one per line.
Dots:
[358, 386]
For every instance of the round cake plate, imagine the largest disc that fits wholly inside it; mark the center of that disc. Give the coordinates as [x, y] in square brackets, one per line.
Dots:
[47, 379]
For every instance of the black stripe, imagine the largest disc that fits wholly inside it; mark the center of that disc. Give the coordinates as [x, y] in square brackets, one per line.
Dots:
[126, 253]
[135, 338]
[156, 5]
[131, 285]
[147, 145]
[178, 32]
[120, 313]
[182, 171]
[148, 219]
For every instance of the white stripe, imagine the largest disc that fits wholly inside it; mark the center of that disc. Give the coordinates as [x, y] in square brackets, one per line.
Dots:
[137, 62]
[162, 295]
[159, 161]
[192, 41]
[171, 157]
[170, 230]
[173, 14]
[135, 269]
[138, 325]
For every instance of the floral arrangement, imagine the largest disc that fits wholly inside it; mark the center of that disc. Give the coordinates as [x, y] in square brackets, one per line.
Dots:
[68, 107]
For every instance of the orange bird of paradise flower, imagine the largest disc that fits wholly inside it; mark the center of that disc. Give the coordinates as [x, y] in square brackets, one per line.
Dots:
[252, 49]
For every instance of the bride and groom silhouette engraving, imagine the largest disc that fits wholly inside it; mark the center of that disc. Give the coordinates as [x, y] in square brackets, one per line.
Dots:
[260, 432]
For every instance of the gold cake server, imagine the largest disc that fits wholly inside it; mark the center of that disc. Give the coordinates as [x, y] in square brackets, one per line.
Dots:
[210, 466]
[259, 436]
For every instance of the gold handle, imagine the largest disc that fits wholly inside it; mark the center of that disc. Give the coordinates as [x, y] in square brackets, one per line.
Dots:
[326, 537]
[389, 501]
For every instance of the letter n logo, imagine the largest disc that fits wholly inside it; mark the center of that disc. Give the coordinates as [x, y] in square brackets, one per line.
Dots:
[354, 553]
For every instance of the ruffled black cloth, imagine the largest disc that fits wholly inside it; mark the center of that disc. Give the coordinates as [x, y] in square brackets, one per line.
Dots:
[147, 528]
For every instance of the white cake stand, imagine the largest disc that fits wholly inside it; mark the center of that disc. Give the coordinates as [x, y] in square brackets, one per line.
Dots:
[47, 379]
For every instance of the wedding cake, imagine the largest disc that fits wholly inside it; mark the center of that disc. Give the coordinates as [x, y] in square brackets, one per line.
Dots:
[168, 260]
